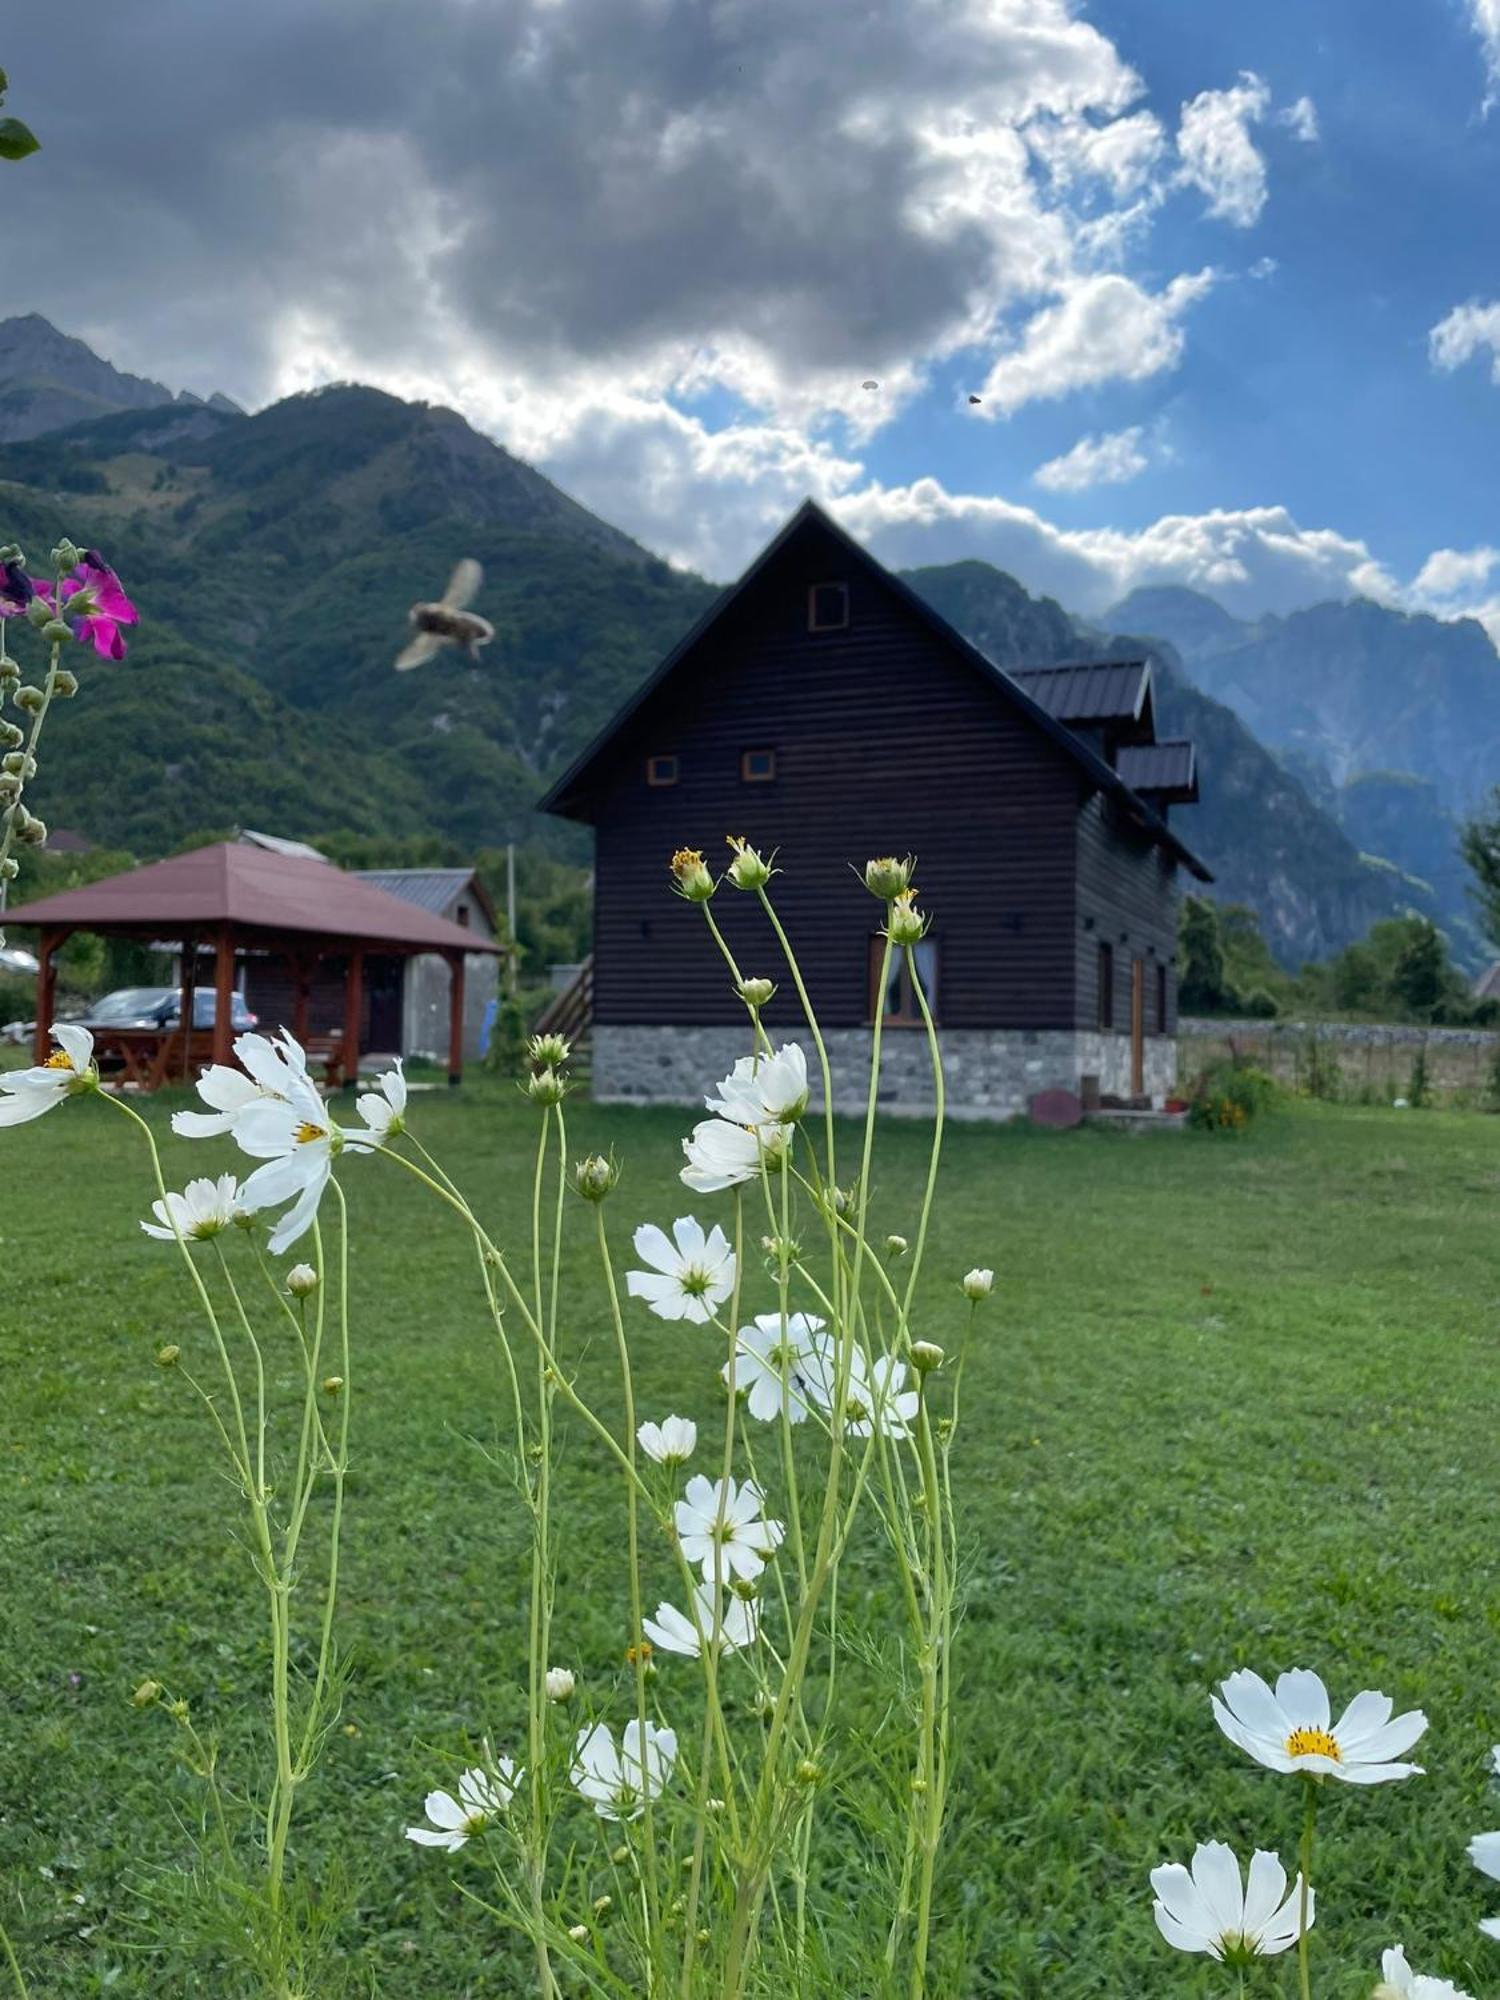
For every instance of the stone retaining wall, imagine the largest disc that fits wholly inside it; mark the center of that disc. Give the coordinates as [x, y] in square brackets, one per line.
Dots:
[991, 1073]
[1359, 1060]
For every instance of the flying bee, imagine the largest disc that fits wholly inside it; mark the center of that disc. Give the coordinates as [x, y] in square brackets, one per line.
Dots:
[448, 622]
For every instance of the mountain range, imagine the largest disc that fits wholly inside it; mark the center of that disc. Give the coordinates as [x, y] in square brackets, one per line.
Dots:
[274, 556]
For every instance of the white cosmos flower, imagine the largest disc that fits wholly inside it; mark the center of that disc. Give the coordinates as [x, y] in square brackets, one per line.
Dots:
[689, 1278]
[1208, 1909]
[774, 1364]
[719, 1525]
[384, 1108]
[720, 1155]
[875, 1395]
[27, 1093]
[270, 1066]
[482, 1797]
[1484, 1852]
[299, 1142]
[669, 1442]
[676, 1632]
[764, 1090]
[204, 1208]
[617, 1782]
[1398, 1979]
[1290, 1729]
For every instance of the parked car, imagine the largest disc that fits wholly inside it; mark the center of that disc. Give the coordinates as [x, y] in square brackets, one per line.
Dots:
[161, 1007]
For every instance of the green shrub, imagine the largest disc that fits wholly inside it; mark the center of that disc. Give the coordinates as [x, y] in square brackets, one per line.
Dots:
[1419, 1088]
[1229, 1094]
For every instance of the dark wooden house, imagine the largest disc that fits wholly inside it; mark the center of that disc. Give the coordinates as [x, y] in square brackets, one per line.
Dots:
[822, 709]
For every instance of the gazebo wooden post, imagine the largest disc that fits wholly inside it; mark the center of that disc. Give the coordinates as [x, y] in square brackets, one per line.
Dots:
[354, 983]
[188, 1004]
[223, 995]
[455, 1018]
[46, 994]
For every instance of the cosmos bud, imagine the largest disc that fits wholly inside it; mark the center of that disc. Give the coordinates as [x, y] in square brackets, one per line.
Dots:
[748, 869]
[925, 1356]
[547, 1087]
[887, 877]
[579, 1933]
[755, 993]
[691, 876]
[560, 1683]
[603, 1903]
[331, 1385]
[302, 1281]
[978, 1284]
[147, 1694]
[595, 1177]
[896, 1246]
[549, 1051]
[905, 924]
[807, 1772]
[166, 1357]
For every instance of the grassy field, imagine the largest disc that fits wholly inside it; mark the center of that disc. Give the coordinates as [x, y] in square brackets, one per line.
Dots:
[1234, 1403]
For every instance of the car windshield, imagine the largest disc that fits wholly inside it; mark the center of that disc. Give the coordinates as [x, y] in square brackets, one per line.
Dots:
[131, 1003]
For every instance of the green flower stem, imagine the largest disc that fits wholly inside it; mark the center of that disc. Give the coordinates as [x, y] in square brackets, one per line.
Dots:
[14, 1963]
[1312, 1787]
[633, 1540]
[339, 1467]
[940, 1112]
[812, 1027]
[536, 1869]
[933, 1762]
[7, 837]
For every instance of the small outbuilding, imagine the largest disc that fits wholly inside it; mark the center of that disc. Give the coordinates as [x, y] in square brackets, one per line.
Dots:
[298, 922]
[823, 710]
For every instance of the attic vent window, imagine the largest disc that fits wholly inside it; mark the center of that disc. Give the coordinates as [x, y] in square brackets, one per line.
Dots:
[661, 770]
[828, 607]
[757, 767]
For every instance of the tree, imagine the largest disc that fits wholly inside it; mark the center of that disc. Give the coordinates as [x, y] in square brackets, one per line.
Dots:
[1480, 841]
[1201, 986]
[1421, 976]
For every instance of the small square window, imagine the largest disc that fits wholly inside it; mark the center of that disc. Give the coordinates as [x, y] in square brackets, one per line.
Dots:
[828, 607]
[757, 767]
[661, 770]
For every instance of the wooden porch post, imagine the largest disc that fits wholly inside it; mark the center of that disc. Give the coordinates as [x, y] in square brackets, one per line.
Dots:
[455, 1018]
[188, 1004]
[46, 994]
[303, 970]
[223, 995]
[354, 993]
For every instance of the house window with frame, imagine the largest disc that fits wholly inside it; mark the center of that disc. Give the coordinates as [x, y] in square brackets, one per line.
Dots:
[901, 1008]
[661, 771]
[828, 607]
[1106, 988]
[757, 767]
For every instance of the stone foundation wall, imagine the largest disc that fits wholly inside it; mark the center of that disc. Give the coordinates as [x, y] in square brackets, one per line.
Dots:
[991, 1073]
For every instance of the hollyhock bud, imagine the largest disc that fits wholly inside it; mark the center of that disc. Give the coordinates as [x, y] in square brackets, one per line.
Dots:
[302, 1281]
[57, 631]
[887, 877]
[748, 869]
[64, 684]
[19, 763]
[9, 869]
[925, 1356]
[549, 1051]
[560, 1683]
[691, 876]
[755, 993]
[10, 736]
[905, 924]
[66, 555]
[595, 1177]
[548, 1086]
[12, 552]
[39, 612]
[10, 786]
[978, 1284]
[30, 700]
[32, 830]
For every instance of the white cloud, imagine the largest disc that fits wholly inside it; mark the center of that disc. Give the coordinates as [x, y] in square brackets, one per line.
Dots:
[1449, 572]
[1104, 328]
[1109, 460]
[1485, 17]
[1465, 332]
[1217, 153]
[1301, 119]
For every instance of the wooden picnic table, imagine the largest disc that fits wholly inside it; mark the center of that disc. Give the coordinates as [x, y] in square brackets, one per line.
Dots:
[150, 1057]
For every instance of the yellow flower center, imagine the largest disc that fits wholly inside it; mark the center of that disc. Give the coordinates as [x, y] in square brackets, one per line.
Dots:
[1313, 1743]
[59, 1059]
[307, 1135]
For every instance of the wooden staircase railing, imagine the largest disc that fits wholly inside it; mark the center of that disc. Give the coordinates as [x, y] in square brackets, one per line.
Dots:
[570, 1012]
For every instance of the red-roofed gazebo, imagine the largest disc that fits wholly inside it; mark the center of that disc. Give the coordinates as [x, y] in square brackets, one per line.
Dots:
[235, 898]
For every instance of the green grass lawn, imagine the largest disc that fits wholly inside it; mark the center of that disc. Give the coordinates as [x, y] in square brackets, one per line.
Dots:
[1234, 1403]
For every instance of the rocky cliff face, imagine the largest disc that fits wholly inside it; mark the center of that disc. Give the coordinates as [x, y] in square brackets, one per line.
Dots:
[49, 380]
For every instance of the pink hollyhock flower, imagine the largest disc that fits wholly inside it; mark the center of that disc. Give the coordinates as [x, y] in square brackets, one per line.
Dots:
[16, 590]
[94, 605]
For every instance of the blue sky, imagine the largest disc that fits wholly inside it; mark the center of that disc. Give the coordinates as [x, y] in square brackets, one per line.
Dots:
[1225, 277]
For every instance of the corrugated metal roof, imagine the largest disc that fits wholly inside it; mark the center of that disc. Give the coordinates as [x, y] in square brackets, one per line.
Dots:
[429, 888]
[1089, 690]
[1160, 768]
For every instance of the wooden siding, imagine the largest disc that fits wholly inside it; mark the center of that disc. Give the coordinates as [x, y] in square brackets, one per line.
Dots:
[886, 741]
[1127, 898]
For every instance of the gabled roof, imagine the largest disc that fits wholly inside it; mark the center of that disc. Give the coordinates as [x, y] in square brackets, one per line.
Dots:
[1088, 691]
[1166, 770]
[1487, 985]
[252, 891]
[569, 790]
[432, 889]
